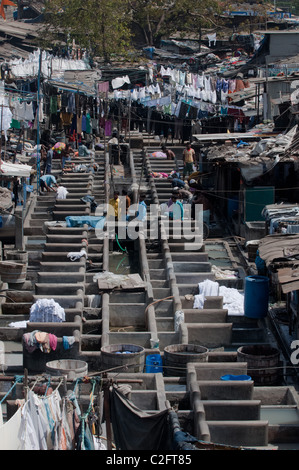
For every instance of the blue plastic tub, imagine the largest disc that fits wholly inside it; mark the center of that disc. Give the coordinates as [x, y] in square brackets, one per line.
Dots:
[235, 377]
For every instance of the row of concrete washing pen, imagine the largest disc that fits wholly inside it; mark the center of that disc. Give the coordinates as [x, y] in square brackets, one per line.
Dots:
[99, 327]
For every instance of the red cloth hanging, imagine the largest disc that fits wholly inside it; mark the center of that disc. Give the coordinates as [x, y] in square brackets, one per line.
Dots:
[3, 3]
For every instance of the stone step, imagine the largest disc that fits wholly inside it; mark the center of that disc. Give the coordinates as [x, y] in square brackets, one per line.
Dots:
[55, 267]
[72, 208]
[205, 315]
[58, 289]
[61, 276]
[210, 335]
[57, 256]
[239, 433]
[63, 247]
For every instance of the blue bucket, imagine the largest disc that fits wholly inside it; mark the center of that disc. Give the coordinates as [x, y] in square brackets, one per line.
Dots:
[235, 377]
[153, 363]
[256, 296]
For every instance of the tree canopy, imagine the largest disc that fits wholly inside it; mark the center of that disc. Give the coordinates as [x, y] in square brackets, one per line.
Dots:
[107, 28]
[156, 19]
[99, 26]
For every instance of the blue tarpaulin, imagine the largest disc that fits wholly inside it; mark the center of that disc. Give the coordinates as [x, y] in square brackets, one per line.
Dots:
[79, 221]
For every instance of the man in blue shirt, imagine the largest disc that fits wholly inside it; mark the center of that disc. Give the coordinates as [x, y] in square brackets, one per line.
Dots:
[48, 183]
[141, 214]
[175, 207]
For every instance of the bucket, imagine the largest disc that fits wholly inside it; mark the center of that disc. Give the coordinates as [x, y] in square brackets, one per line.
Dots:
[153, 363]
[13, 273]
[177, 356]
[235, 377]
[72, 368]
[128, 356]
[262, 363]
[256, 296]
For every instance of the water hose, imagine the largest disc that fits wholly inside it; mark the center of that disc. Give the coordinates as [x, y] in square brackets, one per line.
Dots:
[124, 257]
[122, 249]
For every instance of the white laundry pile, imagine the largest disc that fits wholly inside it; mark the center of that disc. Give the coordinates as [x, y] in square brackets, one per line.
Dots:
[224, 273]
[233, 300]
[206, 288]
[46, 310]
[18, 324]
[61, 192]
[74, 255]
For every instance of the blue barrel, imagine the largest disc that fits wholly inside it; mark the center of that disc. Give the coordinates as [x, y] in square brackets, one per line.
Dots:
[153, 363]
[256, 296]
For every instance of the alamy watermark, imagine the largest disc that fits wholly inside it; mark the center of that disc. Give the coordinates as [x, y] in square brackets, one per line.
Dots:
[141, 222]
[295, 354]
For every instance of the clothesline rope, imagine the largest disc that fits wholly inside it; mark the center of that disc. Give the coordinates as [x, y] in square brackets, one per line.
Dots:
[18, 379]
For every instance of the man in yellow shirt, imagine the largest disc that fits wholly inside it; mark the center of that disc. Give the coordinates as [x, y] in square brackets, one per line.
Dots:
[114, 206]
[188, 159]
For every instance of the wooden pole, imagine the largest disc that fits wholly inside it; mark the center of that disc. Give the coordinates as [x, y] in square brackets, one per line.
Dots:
[107, 415]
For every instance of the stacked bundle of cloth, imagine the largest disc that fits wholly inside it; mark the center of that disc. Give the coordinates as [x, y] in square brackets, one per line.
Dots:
[46, 342]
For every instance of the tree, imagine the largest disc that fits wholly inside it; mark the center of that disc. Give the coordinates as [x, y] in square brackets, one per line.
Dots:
[155, 19]
[99, 26]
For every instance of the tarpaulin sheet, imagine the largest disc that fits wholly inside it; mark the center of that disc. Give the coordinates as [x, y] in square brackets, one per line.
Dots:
[136, 430]
[15, 169]
[79, 221]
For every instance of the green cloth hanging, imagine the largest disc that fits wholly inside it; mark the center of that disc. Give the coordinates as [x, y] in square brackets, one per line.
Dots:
[15, 124]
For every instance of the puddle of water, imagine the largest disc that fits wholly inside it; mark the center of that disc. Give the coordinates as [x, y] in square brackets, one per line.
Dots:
[277, 415]
[175, 387]
[123, 263]
[218, 256]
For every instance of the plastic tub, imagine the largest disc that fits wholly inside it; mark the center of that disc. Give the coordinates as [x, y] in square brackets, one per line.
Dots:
[235, 377]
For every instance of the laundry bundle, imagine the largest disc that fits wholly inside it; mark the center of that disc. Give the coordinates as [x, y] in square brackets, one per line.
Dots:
[156, 174]
[46, 310]
[39, 340]
[233, 300]
[62, 192]
[74, 255]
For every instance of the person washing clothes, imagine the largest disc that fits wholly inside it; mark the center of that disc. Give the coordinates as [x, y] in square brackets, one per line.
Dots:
[48, 183]
[176, 180]
[169, 153]
[66, 155]
[175, 210]
[83, 150]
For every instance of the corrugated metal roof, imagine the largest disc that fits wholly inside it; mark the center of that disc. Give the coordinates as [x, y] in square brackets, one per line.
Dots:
[288, 278]
[280, 248]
